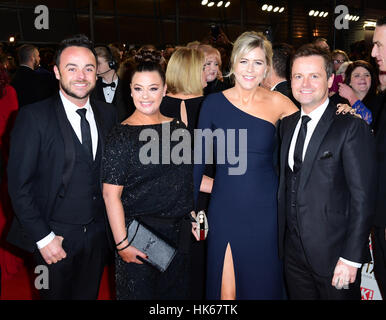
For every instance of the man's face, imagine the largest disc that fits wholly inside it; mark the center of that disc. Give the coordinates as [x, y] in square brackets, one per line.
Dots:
[76, 74]
[103, 66]
[309, 81]
[379, 48]
[36, 59]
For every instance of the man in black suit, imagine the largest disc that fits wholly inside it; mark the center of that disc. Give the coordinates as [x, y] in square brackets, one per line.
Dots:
[109, 87]
[30, 85]
[278, 77]
[327, 187]
[54, 177]
[379, 230]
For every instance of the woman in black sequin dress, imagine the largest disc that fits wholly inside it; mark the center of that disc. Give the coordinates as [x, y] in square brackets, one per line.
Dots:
[159, 193]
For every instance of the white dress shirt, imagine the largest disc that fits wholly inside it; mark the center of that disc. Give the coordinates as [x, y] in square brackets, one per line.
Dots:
[109, 92]
[315, 116]
[74, 119]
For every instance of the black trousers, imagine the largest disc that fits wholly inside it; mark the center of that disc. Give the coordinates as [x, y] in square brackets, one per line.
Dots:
[77, 277]
[304, 284]
[379, 255]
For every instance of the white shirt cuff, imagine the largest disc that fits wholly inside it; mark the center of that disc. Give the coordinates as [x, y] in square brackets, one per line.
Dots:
[46, 240]
[351, 263]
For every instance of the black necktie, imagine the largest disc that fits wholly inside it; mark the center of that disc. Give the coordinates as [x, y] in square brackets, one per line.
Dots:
[112, 85]
[86, 132]
[298, 154]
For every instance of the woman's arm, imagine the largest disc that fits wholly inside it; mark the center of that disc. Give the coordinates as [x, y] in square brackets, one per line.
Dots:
[348, 93]
[206, 184]
[112, 197]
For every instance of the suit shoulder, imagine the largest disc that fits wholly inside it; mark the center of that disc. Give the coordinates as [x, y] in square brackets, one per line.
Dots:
[290, 117]
[350, 120]
[41, 107]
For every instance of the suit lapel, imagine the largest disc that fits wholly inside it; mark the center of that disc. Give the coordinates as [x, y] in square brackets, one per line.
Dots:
[99, 124]
[316, 140]
[69, 147]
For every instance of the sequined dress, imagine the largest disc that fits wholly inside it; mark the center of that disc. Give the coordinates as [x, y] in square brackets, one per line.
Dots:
[161, 195]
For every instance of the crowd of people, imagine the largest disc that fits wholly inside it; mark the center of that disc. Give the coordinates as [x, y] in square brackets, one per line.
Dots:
[97, 139]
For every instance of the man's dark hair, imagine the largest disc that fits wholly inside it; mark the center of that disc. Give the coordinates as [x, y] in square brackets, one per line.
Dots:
[79, 40]
[381, 21]
[319, 39]
[282, 53]
[25, 52]
[308, 50]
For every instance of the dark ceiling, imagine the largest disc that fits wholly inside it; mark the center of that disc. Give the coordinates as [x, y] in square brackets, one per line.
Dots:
[176, 21]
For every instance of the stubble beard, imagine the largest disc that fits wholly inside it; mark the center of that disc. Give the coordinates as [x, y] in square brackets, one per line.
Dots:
[70, 93]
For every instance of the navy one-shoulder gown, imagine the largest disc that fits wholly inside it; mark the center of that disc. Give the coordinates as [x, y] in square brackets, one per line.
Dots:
[243, 208]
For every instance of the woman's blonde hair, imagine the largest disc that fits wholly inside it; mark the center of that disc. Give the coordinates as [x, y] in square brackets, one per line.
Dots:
[248, 41]
[184, 71]
[210, 51]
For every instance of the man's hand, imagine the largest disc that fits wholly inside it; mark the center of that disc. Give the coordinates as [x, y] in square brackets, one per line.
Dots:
[343, 275]
[53, 251]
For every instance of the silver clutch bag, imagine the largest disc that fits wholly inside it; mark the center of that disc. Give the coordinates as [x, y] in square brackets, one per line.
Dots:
[160, 253]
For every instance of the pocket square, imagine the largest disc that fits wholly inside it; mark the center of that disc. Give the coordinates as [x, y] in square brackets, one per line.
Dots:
[326, 155]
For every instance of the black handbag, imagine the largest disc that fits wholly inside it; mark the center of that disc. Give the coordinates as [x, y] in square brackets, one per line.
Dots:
[160, 253]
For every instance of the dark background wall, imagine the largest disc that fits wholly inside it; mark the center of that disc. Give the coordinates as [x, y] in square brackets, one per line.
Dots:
[137, 22]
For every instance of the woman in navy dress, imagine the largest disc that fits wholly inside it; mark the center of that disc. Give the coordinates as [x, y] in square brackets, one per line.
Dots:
[243, 260]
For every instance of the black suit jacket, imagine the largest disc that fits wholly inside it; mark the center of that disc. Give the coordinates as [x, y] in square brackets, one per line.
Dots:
[380, 133]
[32, 86]
[336, 194]
[42, 157]
[121, 99]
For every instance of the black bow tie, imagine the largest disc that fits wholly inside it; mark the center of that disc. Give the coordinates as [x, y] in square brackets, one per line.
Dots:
[112, 85]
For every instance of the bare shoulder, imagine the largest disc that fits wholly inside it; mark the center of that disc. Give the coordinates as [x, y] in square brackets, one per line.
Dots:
[284, 104]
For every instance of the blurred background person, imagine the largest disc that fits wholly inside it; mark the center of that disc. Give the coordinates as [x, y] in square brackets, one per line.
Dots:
[185, 79]
[321, 43]
[212, 69]
[167, 52]
[9, 262]
[382, 81]
[277, 78]
[338, 57]
[30, 85]
[109, 87]
[358, 89]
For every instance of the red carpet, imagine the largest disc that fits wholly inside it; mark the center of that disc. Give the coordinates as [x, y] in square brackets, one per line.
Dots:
[21, 286]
